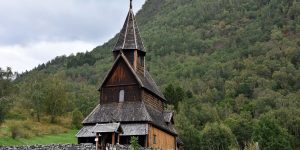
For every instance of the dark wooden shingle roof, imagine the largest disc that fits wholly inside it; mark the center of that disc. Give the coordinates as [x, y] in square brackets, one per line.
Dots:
[107, 127]
[118, 112]
[128, 112]
[168, 116]
[86, 132]
[129, 37]
[134, 129]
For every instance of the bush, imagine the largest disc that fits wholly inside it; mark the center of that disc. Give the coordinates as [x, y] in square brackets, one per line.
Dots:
[15, 131]
[250, 146]
[77, 119]
[134, 143]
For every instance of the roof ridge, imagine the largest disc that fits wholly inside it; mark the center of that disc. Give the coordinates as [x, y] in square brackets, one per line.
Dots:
[134, 33]
[128, 18]
[138, 30]
[90, 113]
[146, 111]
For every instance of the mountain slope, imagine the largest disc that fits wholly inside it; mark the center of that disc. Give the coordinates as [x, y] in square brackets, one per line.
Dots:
[234, 56]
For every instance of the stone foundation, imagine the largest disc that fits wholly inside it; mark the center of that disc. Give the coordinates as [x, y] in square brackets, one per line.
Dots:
[52, 147]
[65, 147]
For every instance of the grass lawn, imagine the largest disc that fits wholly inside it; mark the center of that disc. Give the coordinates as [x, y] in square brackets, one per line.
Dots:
[65, 138]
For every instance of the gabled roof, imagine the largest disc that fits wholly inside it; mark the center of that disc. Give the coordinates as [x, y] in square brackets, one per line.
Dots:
[90, 131]
[128, 112]
[144, 80]
[119, 57]
[107, 128]
[129, 37]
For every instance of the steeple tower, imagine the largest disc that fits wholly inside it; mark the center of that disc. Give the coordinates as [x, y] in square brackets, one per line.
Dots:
[130, 42]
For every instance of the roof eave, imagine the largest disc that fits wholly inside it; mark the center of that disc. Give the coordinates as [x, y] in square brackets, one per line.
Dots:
[164, 129]
[162, 98]
[119, 49]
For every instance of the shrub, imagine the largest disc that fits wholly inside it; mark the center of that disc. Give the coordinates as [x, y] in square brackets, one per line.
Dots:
[250, 146]
[77, 119]
[15, 131]
[134, 143]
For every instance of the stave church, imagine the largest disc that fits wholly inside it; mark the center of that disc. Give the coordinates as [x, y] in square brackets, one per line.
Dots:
[131, 104]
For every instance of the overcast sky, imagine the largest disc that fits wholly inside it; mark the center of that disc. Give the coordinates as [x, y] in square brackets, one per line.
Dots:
[35, 31]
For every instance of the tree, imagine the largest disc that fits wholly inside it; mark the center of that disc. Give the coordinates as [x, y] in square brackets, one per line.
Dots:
[174, 95]
[216, 136]
[35, 94]
[6, 90]
[270, 136]
[6, 86]
[5, 105]
[277, 37]
[288, 118]
[187, 129]
[191, 119]
[56, 96]
[241, 127]
[281, 78]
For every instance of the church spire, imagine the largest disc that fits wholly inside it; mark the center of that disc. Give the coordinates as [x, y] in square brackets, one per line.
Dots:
[129, 37]
[130, 4]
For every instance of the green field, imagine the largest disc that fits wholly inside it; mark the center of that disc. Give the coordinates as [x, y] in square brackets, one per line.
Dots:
[64, 138]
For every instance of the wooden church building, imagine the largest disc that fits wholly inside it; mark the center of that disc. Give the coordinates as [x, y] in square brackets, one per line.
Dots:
[131, 103]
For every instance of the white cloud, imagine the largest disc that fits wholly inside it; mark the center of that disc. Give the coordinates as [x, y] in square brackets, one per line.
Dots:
[22, 58]
[25, 21]
[36, 31]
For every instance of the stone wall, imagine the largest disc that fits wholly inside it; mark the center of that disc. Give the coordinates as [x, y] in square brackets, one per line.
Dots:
[52, 147]
[65, 147]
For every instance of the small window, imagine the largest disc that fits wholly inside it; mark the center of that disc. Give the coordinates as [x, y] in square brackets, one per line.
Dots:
[121, 96]
[154, 139]
[141, 60]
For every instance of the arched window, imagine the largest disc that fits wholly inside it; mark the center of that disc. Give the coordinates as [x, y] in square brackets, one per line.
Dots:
[121, 96]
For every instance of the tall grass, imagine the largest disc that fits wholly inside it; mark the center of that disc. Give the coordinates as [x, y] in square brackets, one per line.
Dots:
[63, 138]
[29, 131]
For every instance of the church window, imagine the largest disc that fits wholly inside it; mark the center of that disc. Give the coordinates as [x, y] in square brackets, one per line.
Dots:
[154, 139]
[141, 60]
[121, 96]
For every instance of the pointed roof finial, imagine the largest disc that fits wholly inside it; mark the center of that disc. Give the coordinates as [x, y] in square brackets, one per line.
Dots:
[129, 37]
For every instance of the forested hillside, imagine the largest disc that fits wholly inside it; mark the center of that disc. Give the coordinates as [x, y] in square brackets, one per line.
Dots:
[230, 69]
